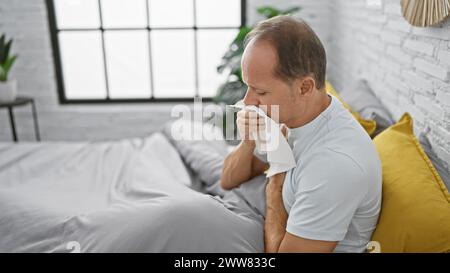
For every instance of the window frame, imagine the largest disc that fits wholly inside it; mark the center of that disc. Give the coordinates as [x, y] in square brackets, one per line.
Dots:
[51, 14]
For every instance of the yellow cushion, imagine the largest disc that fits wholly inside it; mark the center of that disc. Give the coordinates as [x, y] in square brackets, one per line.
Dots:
[368, 125]
[415, 212]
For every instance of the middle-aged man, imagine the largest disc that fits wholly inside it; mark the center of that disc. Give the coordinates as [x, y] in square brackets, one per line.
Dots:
[331, 200]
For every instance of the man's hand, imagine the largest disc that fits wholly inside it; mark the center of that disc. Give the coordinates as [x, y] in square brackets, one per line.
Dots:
[276, 215]
[249, 124]
[241, 164]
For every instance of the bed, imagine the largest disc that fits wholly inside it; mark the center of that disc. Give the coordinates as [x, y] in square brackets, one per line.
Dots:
[131, 195]
[157, 194]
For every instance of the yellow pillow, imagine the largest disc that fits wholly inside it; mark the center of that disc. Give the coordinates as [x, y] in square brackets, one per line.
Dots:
[368, 125]
[415, 212]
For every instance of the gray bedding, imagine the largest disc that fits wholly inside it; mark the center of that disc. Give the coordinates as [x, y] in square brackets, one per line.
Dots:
[133, 195]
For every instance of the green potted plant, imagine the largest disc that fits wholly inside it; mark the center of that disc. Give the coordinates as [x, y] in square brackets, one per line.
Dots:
[234, 89]
[8, 88]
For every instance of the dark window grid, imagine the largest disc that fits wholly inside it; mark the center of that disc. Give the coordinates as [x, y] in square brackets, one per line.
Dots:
[58, 65]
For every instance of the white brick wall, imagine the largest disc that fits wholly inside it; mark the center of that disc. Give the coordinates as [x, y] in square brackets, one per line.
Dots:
[443, 97]
[431, 69]
[412, 73]
[421, 47]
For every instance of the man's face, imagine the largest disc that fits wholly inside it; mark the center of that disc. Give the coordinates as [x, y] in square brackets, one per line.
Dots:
[258, 63]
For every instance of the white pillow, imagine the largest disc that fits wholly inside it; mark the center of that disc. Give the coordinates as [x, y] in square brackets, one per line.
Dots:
[203, 156]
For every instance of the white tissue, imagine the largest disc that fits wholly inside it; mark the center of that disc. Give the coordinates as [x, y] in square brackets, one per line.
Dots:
[279, 153]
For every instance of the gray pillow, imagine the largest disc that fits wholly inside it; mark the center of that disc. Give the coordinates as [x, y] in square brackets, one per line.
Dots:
[440, 166]
[203, 157]
[362, 99]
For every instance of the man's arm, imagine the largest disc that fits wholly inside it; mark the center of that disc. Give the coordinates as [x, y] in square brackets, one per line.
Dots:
[276, 238]
[276, 215]
[241, 165]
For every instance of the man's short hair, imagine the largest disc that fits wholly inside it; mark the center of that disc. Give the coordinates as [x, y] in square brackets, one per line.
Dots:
[300, 52]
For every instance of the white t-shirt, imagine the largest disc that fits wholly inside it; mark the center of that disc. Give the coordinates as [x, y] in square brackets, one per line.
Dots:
[334, 192]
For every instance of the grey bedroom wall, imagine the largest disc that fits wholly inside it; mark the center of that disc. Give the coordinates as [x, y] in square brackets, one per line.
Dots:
[408, 67]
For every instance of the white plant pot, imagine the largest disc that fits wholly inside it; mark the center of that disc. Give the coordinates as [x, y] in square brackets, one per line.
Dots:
[8, 91]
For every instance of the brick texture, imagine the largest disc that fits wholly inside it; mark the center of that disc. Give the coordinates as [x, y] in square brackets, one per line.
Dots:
[413, 72]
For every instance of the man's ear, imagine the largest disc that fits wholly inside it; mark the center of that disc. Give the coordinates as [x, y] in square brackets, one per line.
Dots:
[306, 86]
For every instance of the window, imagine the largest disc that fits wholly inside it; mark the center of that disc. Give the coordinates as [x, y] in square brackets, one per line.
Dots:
[140, 50]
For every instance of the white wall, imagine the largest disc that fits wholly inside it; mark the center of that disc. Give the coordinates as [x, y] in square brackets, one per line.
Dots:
[408, 67]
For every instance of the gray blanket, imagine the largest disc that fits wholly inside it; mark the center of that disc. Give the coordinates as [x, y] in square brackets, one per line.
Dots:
[132, 195]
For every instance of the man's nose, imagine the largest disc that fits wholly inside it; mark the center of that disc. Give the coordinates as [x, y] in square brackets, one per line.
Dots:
[250, 98]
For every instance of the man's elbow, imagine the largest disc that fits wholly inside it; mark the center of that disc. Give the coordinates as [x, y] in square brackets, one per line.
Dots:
[225, 186]
[225, 180]
[224, 183]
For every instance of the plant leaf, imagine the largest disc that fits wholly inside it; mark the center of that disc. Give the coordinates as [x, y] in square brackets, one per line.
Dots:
[2, 75]
[230, 92]
[230, 63]
[291, 10]
[268, 12]
[7, 66]
[229, 59]
[243, 31]
[236, 70]
[6, 52]
[235, 49]
[2, 49]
